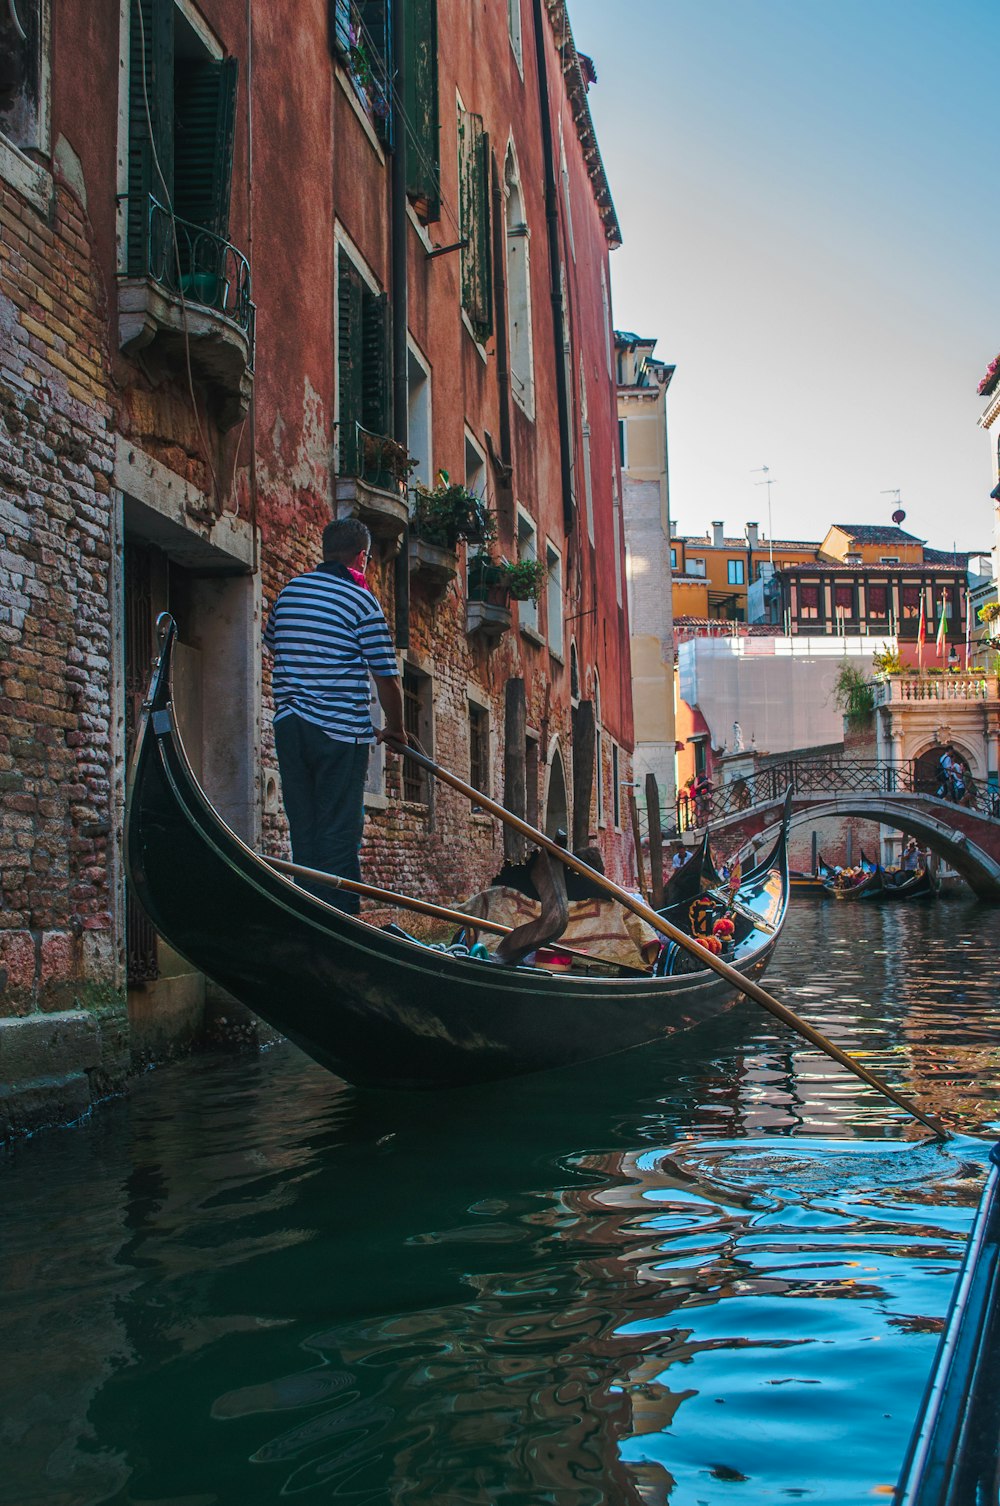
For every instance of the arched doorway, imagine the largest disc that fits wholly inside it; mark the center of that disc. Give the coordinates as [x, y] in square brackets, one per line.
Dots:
[926, 775]
[556, 804]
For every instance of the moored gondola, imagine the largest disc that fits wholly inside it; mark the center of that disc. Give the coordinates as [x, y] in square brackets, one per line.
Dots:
[919, 883]
[377, 1007]
[857, 884]
[954, 1453]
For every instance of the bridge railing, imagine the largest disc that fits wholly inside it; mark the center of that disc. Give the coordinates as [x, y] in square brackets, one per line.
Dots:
[816, 776]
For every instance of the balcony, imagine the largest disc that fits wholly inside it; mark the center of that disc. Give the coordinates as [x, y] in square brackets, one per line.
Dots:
[372, 486]
[915, 689]
[193, 303]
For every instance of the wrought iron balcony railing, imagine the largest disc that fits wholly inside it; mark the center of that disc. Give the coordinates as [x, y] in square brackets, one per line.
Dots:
[202, 268]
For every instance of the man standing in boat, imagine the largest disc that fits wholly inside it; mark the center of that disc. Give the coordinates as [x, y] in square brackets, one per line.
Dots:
[327, 634]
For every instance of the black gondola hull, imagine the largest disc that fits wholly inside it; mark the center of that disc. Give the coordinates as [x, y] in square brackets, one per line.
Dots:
[378, 1009]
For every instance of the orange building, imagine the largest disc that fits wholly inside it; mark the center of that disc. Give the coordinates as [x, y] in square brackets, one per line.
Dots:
[711, 572]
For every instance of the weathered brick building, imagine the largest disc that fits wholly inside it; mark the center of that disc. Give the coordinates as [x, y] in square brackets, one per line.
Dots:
[247, 267]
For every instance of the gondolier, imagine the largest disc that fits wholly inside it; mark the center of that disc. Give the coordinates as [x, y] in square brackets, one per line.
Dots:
[328, 634]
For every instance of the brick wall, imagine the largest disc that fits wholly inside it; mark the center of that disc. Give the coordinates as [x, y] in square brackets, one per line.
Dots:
[60, 964]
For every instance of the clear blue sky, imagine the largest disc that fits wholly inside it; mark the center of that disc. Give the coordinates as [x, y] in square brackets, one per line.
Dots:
[811, 221]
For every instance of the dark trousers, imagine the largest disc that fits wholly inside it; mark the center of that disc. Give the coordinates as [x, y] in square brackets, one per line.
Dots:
[322, 786]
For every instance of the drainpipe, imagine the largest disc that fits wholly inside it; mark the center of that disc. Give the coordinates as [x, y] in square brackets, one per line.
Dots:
[555, 281]
[400, 357]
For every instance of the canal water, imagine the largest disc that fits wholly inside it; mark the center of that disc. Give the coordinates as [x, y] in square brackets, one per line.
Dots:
[709, 1272]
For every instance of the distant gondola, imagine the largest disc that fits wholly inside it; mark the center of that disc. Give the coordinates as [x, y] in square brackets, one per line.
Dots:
[380, 1008]
[919, 883]
[871, 886]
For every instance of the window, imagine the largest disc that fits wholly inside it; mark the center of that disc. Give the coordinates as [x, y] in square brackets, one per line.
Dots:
[843, 600]
[475, 468]
[598, 751]
[574, 673]
[418, 423]
[695, 567]
[514, 30]
[518, 291]
[554, 600]
[888, 559]
[182, 117]
[623, 443]
[616, 789]
[479, 748]
[567, 201]
[474, 222]
[22, 74]
[734, 572]
[909, 602]
[527, 549]
[809, 602]
[673, 558]
[362, 38]
[878, 601]
[420, 101]
[363, 372]
[416, 720]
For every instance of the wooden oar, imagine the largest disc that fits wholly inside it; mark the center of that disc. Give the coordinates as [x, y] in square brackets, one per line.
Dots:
[737, 980]
[440, 912]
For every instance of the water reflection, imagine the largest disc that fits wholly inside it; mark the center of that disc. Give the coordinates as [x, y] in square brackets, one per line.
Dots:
[719, 1262]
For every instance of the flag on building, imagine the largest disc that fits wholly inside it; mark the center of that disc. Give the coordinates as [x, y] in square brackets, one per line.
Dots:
[968, 630]
[921, 632]
[942, 631]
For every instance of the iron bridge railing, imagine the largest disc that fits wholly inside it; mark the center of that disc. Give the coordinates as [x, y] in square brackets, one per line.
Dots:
[818, 776]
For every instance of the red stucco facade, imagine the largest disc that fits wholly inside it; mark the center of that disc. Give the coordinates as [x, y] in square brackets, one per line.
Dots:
[161, 454]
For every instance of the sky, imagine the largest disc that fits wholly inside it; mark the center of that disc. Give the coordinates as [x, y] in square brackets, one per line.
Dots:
[810, 217]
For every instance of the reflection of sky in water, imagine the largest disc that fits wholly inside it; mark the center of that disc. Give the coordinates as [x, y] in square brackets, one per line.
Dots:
[715, 1266]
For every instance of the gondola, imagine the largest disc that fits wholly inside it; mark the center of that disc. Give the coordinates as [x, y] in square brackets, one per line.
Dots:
[918, 884]
[379, 1007]
[811, 885]
[696, 876]
[954, 1454]
[871, 887]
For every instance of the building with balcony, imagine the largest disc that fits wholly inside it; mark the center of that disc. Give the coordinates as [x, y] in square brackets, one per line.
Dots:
[254, 276]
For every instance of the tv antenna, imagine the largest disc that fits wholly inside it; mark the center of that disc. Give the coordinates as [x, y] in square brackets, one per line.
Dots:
[766, 469]
[893, 491]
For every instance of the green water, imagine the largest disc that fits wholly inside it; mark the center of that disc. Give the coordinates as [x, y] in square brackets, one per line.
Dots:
[710, 1272]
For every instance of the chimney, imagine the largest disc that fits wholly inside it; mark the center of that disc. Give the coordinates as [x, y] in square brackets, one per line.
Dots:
[673, 529]
[752, 535]
[717, 531]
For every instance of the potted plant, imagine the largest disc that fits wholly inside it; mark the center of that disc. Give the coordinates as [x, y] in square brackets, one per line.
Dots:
[524, 579]
[450, 512]
[888, 662]
[855, 696]
[385, 462]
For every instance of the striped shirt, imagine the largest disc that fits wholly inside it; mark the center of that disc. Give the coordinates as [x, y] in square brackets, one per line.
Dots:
[326, 635]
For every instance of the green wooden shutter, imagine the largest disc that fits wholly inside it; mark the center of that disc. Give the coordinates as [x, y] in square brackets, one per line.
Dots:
[150, 122]
[474, 208]
[350, 361]
[204, 127]
[420, 99]
[376, 379]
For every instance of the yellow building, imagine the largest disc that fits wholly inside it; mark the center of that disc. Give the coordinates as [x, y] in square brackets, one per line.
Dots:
[711, 572]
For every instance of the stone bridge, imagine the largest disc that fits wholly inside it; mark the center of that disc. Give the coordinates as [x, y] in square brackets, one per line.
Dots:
[900, 795]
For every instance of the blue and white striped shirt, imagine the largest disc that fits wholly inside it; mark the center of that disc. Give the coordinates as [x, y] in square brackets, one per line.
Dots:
[326, 633]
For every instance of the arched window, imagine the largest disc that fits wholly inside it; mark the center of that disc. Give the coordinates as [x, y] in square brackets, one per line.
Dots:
[556, 803]
[518, 290]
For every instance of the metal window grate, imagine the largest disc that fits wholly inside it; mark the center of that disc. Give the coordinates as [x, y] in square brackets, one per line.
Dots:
[479, 748]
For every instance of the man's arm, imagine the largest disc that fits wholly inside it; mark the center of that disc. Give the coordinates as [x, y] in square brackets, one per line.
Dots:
[390, 698]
